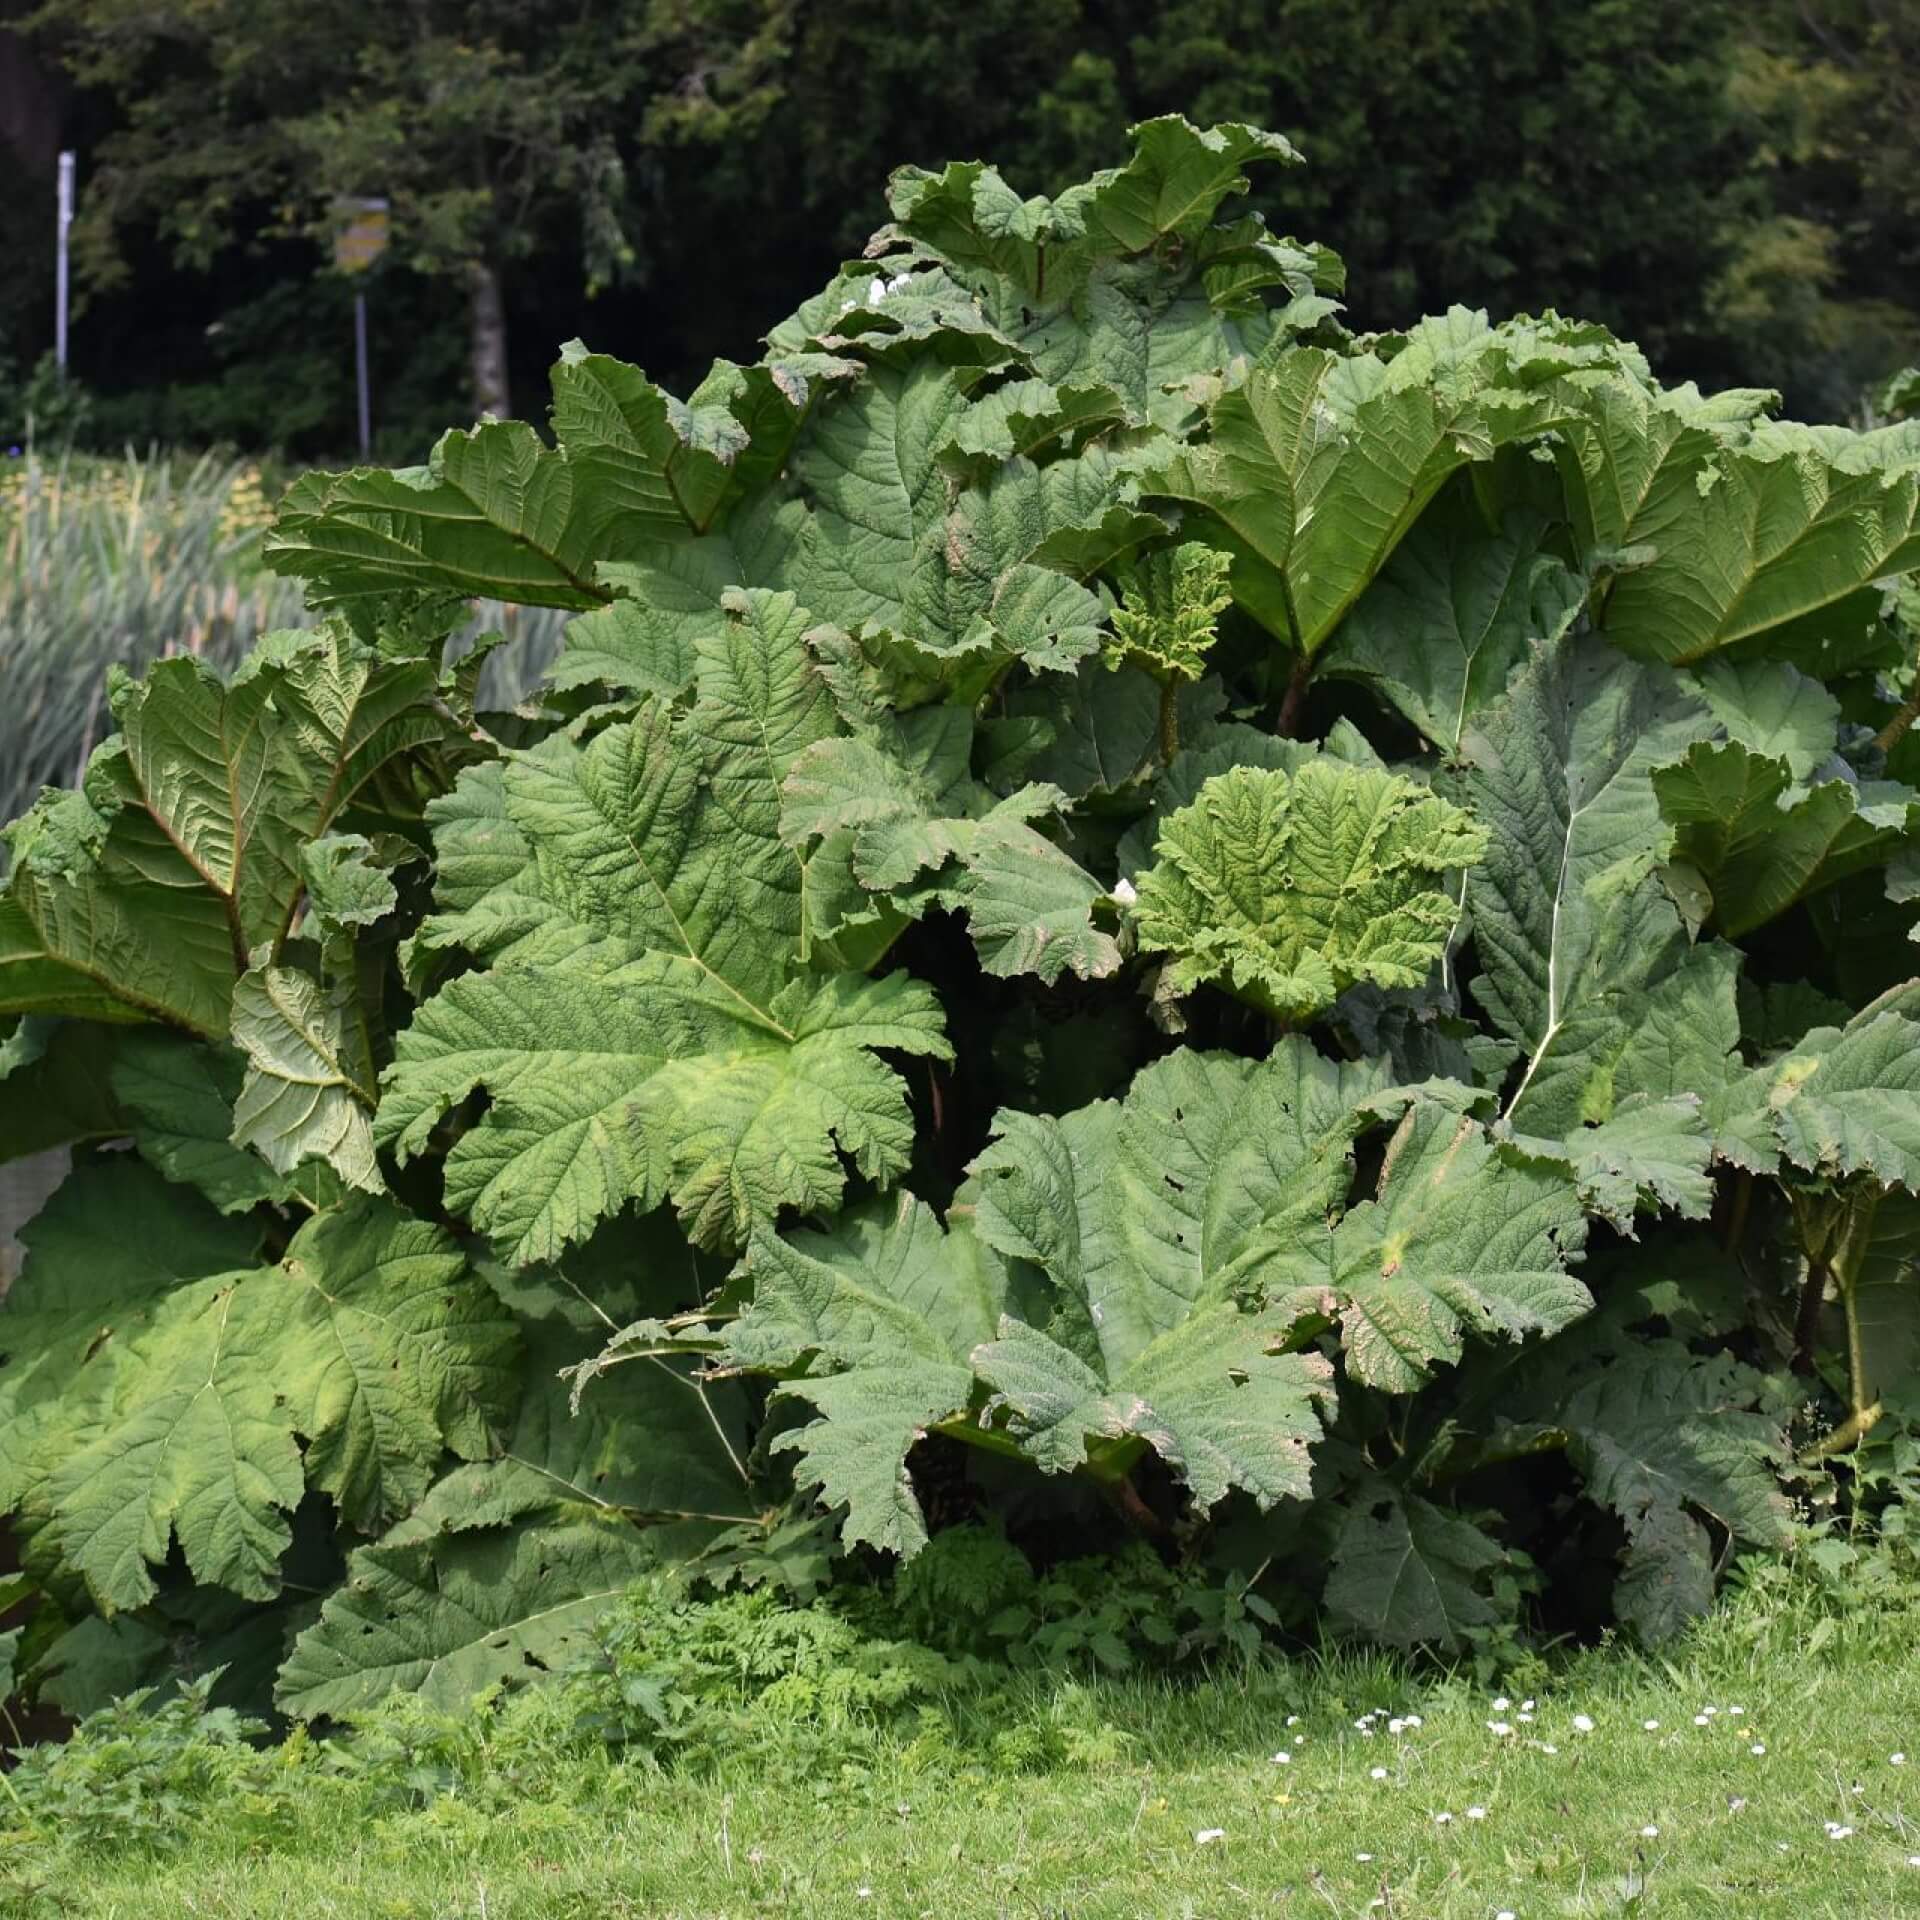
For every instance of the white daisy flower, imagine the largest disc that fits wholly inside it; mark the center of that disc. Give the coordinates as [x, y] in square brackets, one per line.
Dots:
[1476, 1813]
[1503, 1705]
[1443, 1819]
[1583, 1723]
[1650, 1726]
[1649, 1833]
[1758, 1749]
[1835, 1831]
[1499, 1729]
[1208, 1835]
[1896, 1759]
[1365, 1859]
[1379, 1773]
[1283, 1759]
[1414, 1720]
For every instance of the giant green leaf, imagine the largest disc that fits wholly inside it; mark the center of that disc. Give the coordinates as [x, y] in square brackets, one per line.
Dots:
[178, 1096]
[890, 1306]
[1141, 1212]
[389, 1350]
[1667, 1439]
[1684, 1034]
[1762, 841]
[308, 1093]
[1571, 921]
[497, 514]
[1057, 279]
[1840, 1102]
[1151, 1219]
[674, 596]
[1216, 1397]
[712, 1067]
[656, 1081]
[1440, 632]
[1127, 1337]
[372, 1343]
[1212, 746]
[1773, 710]
[895, 549]
[1409, 1573]
[1314, 469]
[647, 467]
[1462, 1238]
[1648, 1142]
[194, 1444]
[661, 833]
[493, 512]
[1646, 1154]
[143, 895]
[1736, 531]
[917, 824]
[446, 1618]
[102, 1256]
[1174, 183]
[1288, 889]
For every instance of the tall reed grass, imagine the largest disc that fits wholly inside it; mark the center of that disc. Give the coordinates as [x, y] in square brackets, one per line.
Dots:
[122, 562]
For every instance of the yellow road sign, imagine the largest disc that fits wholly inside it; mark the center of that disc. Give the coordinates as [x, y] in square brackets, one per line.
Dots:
[361, 236]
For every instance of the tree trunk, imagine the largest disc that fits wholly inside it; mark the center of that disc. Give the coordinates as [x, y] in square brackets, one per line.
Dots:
[487, 324]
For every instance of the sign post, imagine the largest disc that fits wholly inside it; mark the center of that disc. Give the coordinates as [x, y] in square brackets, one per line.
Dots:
[359, 239]
[64, 221]
[360, 375]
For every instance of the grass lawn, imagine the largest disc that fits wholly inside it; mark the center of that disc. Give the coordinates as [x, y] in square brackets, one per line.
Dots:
[1769, 1786]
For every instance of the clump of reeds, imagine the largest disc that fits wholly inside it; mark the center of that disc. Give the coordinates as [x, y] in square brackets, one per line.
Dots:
[121, 562]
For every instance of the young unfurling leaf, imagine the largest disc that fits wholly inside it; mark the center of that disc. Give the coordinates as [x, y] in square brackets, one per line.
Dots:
[1287, 889]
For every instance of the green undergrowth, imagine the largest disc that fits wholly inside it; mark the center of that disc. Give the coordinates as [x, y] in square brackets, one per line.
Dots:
[745, 1756]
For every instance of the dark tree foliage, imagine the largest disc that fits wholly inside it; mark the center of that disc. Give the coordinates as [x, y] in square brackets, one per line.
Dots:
[1731, 185]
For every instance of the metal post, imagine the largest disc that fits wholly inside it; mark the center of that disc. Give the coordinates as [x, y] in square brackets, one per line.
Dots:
[360, 367]
[60, 263]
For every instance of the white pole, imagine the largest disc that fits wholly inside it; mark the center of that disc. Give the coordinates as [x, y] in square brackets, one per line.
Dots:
[360, 371]
[60, 265]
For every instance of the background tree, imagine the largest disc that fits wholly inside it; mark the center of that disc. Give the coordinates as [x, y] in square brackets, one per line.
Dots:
[493, 126]
[1733, 185]
[1823, 282]
[1585, 154]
